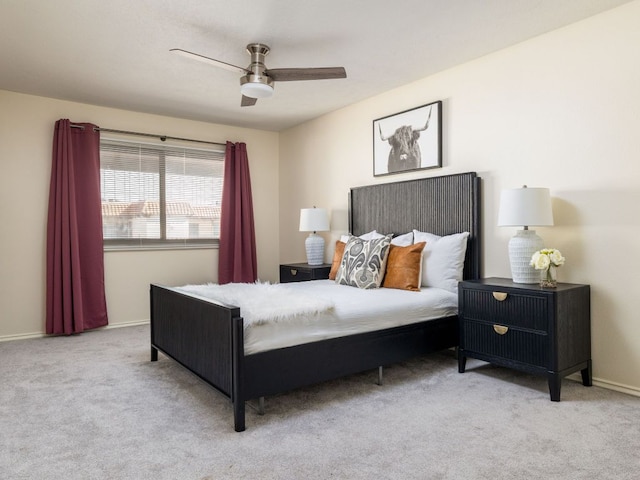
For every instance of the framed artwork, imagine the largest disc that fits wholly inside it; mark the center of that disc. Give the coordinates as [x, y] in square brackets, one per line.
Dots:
[409, 140]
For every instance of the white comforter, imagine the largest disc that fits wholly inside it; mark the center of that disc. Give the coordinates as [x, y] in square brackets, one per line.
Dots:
[351, 310]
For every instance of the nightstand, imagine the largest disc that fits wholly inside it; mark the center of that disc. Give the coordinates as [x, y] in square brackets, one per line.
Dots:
[301, 272]
[545, 331]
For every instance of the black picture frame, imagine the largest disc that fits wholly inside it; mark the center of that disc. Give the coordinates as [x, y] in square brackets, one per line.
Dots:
[408, 140]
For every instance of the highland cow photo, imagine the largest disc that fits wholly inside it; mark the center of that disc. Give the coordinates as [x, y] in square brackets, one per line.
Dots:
[409, 140]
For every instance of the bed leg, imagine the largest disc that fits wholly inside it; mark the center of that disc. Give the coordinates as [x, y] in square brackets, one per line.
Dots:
[261, 406]
[237, 389]
[154, 354]
[379, 382]
[238, 416]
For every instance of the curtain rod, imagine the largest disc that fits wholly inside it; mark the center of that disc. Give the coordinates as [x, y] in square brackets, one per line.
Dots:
[161, 137]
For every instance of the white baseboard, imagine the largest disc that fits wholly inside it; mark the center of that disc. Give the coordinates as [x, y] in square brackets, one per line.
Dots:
[599, 382]
[135, 323]
[26, 336]
[617, 387]
[21, 336]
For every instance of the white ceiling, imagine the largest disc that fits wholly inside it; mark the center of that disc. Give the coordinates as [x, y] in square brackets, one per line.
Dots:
[116, 53]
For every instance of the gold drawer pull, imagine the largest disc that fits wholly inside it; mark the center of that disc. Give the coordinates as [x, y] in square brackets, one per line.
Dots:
[500, 329]
[500, 296]
[294, 272]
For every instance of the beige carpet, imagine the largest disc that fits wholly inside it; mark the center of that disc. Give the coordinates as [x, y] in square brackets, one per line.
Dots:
[94, 407]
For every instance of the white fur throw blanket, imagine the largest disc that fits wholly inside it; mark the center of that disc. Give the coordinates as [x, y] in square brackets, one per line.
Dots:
[261, 302]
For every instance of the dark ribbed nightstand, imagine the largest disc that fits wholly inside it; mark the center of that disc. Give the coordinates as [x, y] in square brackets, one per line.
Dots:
[545, 331]
[301, 272]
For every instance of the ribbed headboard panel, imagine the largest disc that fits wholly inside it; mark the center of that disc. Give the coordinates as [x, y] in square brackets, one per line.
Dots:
[441, 205]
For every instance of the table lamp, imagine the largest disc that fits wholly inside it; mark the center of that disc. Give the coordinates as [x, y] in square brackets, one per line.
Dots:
[525, 207]
[314, 220]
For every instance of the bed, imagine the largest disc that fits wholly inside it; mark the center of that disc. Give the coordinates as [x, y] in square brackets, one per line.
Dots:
[207, 337]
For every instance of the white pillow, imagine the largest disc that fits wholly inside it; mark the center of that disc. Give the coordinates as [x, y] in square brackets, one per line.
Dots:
[442, 259]
[372, 235]
[403, 240]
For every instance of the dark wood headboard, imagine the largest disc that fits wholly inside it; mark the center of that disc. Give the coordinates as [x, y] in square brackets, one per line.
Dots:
[440, 205]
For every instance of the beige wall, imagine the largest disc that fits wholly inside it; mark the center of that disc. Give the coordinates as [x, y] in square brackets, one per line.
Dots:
[26, 133]
[558, 111]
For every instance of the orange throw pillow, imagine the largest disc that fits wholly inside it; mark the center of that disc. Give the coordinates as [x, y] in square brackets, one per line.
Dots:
[403, 267]
[337, 259]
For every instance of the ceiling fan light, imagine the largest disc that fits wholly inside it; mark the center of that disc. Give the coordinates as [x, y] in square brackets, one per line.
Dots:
[256, 90]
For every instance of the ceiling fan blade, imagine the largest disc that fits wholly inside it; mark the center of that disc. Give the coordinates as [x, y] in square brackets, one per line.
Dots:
[248, 101]
[291, 74]
[210, 61]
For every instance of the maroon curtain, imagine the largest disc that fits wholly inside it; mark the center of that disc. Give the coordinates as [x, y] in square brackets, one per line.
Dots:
[75, 260]
[237, 255]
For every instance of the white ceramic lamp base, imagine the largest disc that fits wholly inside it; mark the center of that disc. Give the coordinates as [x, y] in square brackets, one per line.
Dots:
[521, 247]
[315, 249]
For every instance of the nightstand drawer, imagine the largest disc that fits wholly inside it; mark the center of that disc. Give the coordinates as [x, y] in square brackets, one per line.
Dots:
[291, 274]
[506, 342]
[506, 308]
[302, 272]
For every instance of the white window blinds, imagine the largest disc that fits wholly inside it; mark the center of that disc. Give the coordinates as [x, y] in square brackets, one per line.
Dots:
[160, 195]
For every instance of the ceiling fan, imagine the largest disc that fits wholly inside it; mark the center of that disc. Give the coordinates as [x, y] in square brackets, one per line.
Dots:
[257, 80]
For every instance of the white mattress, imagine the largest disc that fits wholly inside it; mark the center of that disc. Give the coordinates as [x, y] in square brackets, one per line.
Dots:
[355, 311]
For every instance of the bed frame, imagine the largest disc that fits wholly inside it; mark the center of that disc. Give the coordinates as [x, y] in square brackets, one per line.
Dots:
[207, 337]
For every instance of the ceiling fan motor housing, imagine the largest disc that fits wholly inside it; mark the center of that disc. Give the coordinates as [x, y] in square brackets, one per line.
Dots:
[256, 84]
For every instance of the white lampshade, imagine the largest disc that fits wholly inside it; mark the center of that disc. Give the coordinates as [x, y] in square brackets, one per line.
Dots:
[314, 220]
[525, 207]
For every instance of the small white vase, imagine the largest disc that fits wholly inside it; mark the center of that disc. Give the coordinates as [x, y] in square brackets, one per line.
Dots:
[548, 277]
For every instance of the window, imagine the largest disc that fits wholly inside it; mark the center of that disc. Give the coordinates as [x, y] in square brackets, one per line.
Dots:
[159, 196]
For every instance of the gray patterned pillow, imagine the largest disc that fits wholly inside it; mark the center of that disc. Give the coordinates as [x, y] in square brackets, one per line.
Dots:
[364, 262]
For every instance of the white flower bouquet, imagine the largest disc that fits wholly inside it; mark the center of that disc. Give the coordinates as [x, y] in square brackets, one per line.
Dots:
[547, 260]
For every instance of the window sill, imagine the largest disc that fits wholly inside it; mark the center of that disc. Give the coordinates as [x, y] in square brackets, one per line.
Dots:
[164, 246]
